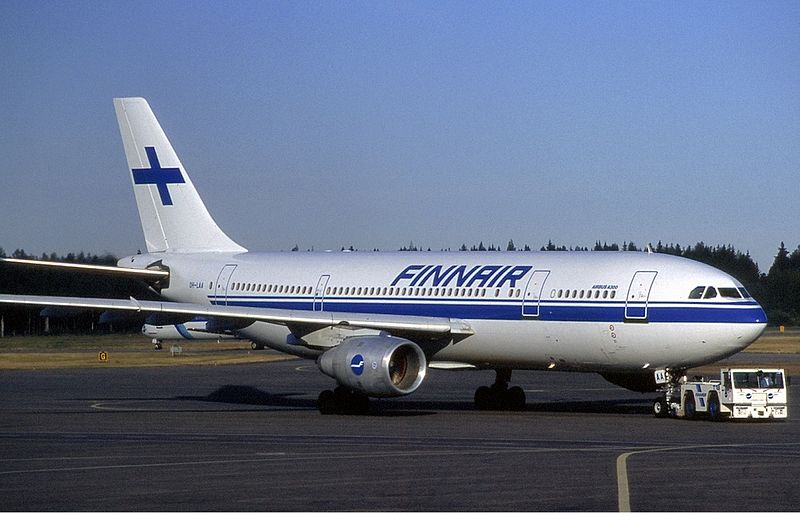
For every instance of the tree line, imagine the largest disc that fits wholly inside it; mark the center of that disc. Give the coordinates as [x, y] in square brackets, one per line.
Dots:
[777, 290]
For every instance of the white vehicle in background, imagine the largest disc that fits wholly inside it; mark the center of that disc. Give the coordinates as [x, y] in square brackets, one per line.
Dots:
[738, 394]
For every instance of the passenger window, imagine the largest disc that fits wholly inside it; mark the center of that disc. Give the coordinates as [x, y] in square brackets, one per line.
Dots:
[582, 293]
[613, 294]
[697, 292]
[605, 294]
[711, 292]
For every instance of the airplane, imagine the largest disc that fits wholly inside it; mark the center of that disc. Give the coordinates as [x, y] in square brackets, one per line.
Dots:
[376, 321]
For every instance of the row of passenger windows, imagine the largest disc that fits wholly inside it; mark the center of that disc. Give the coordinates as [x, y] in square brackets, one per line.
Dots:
[416, 291]
[277, 289]
[371, 291]
[583, 294]
[704, 292]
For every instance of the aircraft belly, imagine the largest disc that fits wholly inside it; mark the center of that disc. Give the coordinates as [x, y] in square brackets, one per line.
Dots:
[593, 346]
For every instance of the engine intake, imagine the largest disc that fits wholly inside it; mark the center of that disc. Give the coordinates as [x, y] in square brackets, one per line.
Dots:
[378, 366]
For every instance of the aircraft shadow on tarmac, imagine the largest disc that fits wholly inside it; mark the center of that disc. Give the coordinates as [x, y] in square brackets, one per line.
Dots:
[248, 395]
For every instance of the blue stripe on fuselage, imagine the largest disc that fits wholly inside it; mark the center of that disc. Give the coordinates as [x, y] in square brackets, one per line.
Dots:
[480, 308]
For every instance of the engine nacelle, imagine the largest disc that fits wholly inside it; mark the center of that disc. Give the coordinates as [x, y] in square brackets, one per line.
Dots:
[378, 366]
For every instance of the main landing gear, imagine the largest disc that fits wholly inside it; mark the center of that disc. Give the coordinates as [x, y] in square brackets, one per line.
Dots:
[342, 400]
[499, 396]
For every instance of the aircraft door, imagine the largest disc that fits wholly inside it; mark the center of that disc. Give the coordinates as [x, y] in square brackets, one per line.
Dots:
[319, 293]
[533, 293]
[639, 295]
[223, 280]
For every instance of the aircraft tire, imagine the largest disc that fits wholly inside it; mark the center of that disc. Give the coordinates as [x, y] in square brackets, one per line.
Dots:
[515, 399]
[342, 401]
[483, 398]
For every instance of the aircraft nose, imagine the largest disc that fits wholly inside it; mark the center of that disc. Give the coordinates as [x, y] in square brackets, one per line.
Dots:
[754, 326]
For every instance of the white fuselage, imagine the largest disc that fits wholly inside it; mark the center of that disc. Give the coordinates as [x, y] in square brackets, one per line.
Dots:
[588, 311]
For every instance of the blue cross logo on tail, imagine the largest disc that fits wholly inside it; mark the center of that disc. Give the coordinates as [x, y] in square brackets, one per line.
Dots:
[157, 175]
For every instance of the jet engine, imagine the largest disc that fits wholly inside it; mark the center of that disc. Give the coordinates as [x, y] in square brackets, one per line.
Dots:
[376, 365]
[638, 382]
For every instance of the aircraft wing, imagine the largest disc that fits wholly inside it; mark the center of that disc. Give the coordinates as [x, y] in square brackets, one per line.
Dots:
[145, 274]
[306, 320]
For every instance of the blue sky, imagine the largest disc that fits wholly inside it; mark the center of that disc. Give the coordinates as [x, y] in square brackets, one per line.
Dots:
[374, 124]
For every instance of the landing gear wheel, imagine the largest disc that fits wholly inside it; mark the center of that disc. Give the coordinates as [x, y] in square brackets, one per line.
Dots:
[342, 401]
[515, 398]
[255, 346]
[499, 396]
[483, 398]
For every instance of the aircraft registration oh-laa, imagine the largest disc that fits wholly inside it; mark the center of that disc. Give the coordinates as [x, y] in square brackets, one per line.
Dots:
[376, 321]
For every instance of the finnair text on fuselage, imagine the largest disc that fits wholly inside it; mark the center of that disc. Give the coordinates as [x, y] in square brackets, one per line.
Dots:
[419, 275]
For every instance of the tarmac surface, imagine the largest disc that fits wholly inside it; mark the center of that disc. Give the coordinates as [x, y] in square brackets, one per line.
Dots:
[249, 437]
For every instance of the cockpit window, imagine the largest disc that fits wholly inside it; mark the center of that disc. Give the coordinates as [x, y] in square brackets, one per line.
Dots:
[702, 292]
[744, 293]
[696, 292]
[730, 292]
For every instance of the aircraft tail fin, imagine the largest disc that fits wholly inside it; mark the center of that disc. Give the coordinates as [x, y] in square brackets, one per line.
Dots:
[172, 213]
